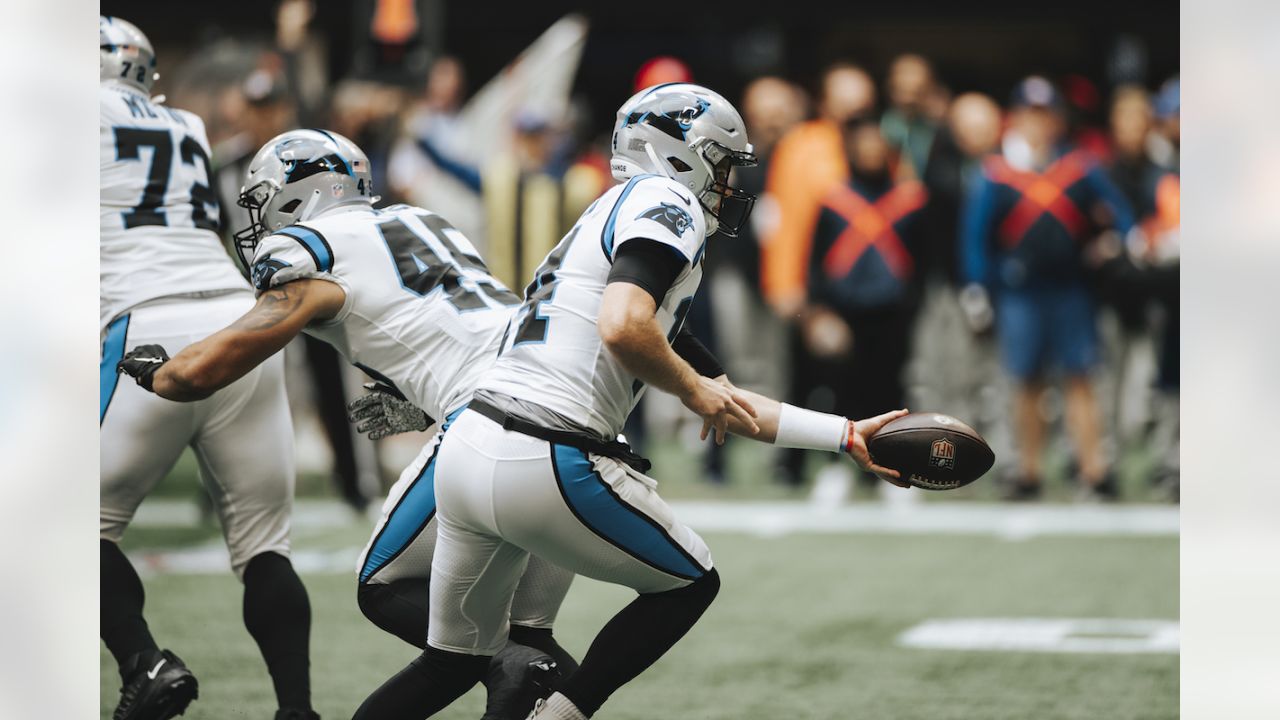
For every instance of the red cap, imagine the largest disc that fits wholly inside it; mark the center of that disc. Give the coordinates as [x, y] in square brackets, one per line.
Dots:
[659, 70]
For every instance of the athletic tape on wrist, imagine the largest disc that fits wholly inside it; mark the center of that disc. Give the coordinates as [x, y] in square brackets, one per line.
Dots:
[809, 430]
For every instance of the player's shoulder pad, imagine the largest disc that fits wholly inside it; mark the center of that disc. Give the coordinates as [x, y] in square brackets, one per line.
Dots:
[657, 208]
[290, 253]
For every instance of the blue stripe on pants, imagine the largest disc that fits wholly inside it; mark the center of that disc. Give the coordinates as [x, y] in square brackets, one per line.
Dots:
[112, 352]
[409, 517]
[596, 505]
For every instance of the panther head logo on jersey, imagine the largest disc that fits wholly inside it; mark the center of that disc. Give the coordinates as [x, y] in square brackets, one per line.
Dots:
[264, 270]
[670, 216]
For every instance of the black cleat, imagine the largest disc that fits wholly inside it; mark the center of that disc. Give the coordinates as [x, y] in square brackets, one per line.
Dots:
[1021, 488]
[518, 677]
[1105, 490]
[296, 714]
[157, 686]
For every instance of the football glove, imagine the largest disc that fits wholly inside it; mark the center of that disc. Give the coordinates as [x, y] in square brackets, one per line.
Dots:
[384, 411]
[141, 364]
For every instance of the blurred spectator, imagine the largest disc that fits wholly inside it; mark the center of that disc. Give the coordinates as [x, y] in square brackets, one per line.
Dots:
[1025, 224]
[1134, 281]
[368, 113]
[953, 370]
[1164, 144]
[1084, 117]
[740, 328]
[863, 287]
[807, 162]
[264, 109]
[424, 167]
[906, 124]
[955, 162]
[1153, 257]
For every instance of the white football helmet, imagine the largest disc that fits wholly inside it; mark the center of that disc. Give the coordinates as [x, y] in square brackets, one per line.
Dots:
[296, 176]
[126, 55]
[692, 135]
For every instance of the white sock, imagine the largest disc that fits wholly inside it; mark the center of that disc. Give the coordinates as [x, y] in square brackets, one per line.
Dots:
[558, 707]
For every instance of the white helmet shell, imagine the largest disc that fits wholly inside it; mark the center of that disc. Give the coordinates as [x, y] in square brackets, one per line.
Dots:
[126, 55]
[691, 135]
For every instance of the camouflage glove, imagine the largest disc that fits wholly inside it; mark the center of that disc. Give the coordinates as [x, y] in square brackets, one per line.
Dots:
[141, 364]
[384, 411]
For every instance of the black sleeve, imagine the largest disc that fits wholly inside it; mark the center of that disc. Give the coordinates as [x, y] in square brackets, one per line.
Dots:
[649, 265]
[696, 354]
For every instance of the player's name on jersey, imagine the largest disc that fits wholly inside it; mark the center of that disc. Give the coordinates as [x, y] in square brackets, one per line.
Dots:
[140, 107]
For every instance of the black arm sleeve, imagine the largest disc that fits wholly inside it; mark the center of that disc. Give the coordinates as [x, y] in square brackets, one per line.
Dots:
[648, 264]
[696, 354]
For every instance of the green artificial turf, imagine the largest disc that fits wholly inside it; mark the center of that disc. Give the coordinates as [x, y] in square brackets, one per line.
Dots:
[804, 627]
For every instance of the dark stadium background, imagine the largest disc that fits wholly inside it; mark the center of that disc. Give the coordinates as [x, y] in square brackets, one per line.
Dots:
[975, 46]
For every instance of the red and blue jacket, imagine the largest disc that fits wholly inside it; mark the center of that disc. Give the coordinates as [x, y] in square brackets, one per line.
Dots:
[864, 246]
[1023, 229]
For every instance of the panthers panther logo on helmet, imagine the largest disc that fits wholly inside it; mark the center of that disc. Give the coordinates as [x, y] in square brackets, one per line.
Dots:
[674, 114]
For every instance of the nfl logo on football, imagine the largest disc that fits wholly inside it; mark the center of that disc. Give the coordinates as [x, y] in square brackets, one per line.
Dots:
[942, 454]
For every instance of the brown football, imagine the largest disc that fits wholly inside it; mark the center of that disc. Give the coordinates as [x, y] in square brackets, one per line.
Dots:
[932, 451]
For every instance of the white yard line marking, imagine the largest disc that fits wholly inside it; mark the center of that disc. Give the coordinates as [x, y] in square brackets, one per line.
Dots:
[1047, 635]
[1013, 522]
[763, 519]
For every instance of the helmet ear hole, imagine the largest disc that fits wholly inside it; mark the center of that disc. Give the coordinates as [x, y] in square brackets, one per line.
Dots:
[290, 206]
[678, 164]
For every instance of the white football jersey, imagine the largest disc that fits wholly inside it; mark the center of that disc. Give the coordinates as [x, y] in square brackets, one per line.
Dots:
[552, 354]
[159, 216]
[422, 311]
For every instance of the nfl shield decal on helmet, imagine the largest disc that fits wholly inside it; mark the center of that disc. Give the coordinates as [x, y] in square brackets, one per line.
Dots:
[942, 454]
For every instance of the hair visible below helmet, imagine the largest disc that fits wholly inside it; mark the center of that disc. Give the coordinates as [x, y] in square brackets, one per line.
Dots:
[296, 176]
[693, 136]
[125, 54]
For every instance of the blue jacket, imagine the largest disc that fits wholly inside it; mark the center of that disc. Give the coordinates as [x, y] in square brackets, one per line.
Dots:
[1024, 229]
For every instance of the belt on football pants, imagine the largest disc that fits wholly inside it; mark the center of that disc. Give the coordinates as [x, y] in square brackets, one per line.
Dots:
[615, 449]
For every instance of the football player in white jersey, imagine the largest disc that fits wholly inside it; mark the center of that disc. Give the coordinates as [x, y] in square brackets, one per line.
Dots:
[534, 464]
[405, 297]
[165, 278]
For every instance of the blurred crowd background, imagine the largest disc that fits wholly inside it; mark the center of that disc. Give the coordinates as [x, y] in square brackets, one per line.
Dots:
[968, 211]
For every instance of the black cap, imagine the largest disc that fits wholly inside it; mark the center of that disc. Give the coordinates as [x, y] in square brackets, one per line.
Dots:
[1036, 91]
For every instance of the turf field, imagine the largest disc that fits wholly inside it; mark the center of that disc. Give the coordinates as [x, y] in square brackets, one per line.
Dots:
[805, 627]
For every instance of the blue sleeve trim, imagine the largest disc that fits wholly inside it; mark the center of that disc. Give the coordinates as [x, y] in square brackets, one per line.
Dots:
[112, 352]
[315, 244]
[465, 174]
[606, 235]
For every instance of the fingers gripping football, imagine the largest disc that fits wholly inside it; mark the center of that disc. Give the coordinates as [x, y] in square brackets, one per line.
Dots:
[856, 445]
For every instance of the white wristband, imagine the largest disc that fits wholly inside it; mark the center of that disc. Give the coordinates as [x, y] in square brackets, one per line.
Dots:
[800, 428]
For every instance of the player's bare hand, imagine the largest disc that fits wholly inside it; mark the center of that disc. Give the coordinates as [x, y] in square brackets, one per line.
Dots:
[856, 445]
[717, 403]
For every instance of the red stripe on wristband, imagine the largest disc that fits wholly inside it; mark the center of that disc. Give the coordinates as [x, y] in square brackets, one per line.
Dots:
[848, 437]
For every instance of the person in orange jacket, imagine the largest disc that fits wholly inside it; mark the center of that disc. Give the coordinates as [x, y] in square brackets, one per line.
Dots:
[807, 163]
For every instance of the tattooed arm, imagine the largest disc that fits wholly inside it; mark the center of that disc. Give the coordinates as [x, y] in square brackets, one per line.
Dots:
[215, 362]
